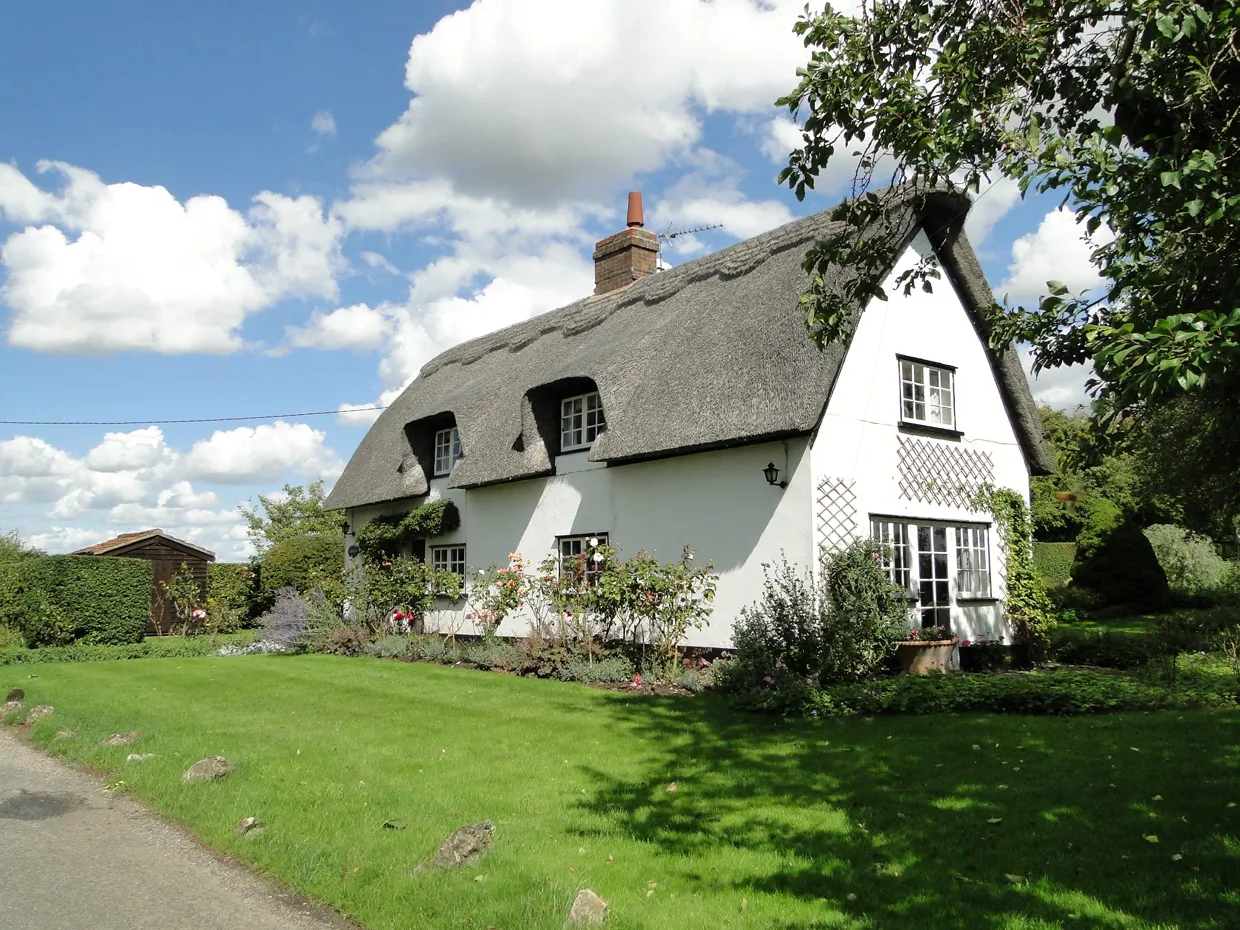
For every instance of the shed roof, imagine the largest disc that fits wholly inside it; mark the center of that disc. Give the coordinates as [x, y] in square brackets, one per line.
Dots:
[709, 354]
[116, 545]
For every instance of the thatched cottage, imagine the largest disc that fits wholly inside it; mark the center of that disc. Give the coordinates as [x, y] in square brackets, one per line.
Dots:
[688, 406]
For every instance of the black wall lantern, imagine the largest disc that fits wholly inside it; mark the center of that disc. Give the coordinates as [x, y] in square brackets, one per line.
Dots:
[772, 476]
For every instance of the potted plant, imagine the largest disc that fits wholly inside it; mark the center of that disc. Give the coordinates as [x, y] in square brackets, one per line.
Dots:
[984, 655]
[926, 649]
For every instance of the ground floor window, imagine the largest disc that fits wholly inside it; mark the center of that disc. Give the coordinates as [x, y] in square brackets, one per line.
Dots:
[937, 563]
[449, 559]
[578, 558]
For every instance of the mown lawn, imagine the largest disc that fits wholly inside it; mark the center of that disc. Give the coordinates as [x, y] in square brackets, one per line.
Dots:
[917, 822]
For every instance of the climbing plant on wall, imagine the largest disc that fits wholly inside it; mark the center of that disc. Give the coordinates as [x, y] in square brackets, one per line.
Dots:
[389, 534]
[1026, 603]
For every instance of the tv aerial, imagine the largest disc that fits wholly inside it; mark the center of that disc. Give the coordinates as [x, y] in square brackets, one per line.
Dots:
[671, 232]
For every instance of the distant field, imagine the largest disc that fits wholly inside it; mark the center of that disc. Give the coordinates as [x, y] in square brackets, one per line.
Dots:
[903, 822]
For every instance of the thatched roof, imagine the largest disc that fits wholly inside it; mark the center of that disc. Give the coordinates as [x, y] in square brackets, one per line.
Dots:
[710, 354]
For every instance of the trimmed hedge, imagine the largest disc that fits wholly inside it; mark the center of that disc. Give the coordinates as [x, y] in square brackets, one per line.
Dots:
[163, 647]
[234, 587]
[60, 599]
[302, 562]
[1053, 561]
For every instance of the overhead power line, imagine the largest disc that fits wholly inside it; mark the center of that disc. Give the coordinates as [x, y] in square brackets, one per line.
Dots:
[267, 416]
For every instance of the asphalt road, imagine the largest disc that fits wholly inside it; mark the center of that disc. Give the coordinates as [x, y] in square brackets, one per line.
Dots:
[73, 856]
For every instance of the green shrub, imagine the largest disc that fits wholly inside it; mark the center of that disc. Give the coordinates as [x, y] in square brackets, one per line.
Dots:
[1191, 563]
[11, 638]
[607, 669]
[1053, 561]
[389, 647]
[838, 629]
[59, 599]
[493, 653]
[1114, 559]
[1102, 649]
[1051, 691]
[232, 589]
[302, 562]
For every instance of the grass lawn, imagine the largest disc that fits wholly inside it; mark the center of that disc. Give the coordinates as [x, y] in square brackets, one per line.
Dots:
[917, 822]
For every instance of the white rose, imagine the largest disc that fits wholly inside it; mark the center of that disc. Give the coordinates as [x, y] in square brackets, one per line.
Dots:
[593, 542]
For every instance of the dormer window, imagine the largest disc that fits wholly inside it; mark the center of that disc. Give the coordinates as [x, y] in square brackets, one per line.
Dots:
[927, 394]
[581, 420]
[447, 450]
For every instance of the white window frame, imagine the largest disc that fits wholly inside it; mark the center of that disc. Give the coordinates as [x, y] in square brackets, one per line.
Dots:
[447, 450]
[449, 559]
[972, 562]
[574, 547]
[966, 570]
[927, 394]
[581, 420]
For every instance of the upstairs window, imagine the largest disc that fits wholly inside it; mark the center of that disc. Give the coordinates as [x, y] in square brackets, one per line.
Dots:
[581, 420]
[577, 556]
[447, 450]
[927, 394]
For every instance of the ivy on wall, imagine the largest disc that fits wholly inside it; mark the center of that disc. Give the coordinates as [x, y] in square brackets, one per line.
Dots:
[388, 535]
[1026, 603]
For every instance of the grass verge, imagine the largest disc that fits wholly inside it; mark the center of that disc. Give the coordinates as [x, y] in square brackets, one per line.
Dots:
[949, 821]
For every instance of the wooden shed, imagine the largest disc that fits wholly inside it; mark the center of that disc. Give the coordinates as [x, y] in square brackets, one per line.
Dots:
[166, 555]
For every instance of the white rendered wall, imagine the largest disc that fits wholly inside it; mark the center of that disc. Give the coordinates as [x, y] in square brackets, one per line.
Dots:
[858, 438]
[716, 502]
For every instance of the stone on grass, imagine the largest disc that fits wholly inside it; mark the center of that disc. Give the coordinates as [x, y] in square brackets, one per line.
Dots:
[65, 734]
[38, 712]
[588, 908]
[207, 769]
[139, 756]
[122, 739]
[251, 826]
[17, 694]
[466, 845]
[10, 707]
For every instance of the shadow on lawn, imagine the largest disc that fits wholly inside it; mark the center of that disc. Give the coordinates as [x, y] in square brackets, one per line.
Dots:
[896, 811]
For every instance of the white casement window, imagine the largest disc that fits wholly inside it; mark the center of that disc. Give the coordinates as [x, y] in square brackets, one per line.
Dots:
[581, 420]
[972, 561]
[448, 559]
[447, 450]
[927, 394]
[937, 563]
[578, 557]
[894, 536]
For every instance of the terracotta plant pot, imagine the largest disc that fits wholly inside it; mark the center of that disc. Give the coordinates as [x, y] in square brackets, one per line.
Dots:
[922, 658]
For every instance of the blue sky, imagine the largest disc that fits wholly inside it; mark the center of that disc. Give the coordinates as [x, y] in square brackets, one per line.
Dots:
[239, 208]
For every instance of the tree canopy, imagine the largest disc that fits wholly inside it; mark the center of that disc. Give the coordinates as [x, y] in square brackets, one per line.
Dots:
[296, 511]
[1126, 108]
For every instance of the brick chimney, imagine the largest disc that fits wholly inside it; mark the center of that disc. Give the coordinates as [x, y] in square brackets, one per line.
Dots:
[621, 259]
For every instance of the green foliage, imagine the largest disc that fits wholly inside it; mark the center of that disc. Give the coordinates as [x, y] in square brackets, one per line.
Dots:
[378, 589]
[233, 597]
[390, 646]
[1191, 563]
[387, 536]
[838, 629]
[12, 549]
[1116, 561]
[1053, 561]
[60, 599]
[1025, 603]
[1104, 649]
[164, 647]
[302, 562]
[297, 511]
[185, 596]
[1128, 111]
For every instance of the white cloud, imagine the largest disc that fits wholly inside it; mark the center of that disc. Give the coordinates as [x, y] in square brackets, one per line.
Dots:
[126, 267]
[990, 205]
[1057, 251]
[375, 260]
[323, 123]
[540, 100]
[357, 415]
[142, 448]
[1062, 388]
[257, 453]
[355, 327]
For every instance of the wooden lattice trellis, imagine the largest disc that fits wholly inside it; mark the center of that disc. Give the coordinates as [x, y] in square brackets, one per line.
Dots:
[939, 473]
[837, 513]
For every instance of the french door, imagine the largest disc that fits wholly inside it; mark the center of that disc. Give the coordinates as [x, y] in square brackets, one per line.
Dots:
[937, 563]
